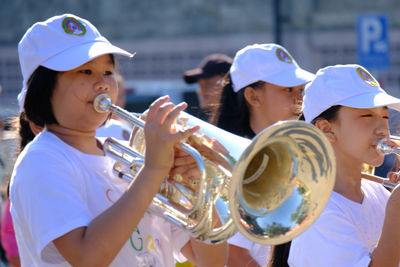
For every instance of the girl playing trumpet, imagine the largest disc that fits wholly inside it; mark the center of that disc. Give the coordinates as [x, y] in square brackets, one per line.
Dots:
[67, 206]
[359, 225]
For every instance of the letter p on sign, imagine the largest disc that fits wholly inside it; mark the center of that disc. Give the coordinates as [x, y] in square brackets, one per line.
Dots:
[373, 44]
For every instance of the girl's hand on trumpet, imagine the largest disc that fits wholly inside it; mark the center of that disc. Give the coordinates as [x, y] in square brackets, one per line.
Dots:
[391, 143]
[394, 177]
[185, 169]
[161, 136]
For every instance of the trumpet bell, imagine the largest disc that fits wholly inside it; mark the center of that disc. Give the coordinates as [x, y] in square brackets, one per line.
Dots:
[282, 182]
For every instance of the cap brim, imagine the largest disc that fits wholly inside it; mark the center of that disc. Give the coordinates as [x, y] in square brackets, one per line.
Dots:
[81, 54]
[372, 100]
[191, 76]
[289, 79]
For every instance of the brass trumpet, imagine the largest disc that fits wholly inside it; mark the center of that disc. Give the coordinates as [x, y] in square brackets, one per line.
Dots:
[271, 188]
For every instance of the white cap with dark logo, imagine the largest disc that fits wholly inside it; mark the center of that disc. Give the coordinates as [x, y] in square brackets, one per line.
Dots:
[269, 63]
[61, 43]
[347, 85]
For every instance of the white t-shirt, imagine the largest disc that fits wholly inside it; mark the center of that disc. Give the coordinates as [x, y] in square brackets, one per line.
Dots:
[260, 253]
[56, 188]
[345, 233]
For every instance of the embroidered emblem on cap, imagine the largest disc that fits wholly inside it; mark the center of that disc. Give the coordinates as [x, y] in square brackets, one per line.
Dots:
[366, 76]
[283, 56]
[73, 26]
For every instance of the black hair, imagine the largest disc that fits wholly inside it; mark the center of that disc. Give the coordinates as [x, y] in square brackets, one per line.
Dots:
[25, 133]
[330, 114]
[37, 106]
[40, 89]
[280, 255]
[232, 114]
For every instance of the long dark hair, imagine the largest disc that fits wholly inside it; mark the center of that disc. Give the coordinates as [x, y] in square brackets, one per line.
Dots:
[37, 105]
[232, 114]
[280, 253]
[40, 89]
[24, 131]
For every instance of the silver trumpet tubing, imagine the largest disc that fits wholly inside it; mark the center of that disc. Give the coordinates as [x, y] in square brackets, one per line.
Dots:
[271, 188]
[384, 181]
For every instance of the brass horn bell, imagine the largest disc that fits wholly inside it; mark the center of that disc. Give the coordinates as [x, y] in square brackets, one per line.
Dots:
[271, 188]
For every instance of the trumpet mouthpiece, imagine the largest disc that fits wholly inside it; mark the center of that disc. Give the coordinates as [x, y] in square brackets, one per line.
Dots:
[383, 148]
[102, 103]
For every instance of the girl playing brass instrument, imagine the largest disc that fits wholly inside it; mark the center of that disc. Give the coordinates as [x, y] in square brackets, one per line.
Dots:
[265, 85]
[67, 206]
[359, 225]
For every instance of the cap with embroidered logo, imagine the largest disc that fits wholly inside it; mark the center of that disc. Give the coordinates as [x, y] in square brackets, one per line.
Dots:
[347, 85]
[61, 43]
[270, 63]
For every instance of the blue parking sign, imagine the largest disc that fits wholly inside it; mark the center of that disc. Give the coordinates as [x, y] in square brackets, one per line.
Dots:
[373, 44]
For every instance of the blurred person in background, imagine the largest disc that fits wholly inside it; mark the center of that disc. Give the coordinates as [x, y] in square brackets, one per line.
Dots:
[211, 70]
[265, 85]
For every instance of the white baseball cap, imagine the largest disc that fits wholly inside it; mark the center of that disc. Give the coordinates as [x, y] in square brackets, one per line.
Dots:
[270, 63]
[347, 85]
[61, 43]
